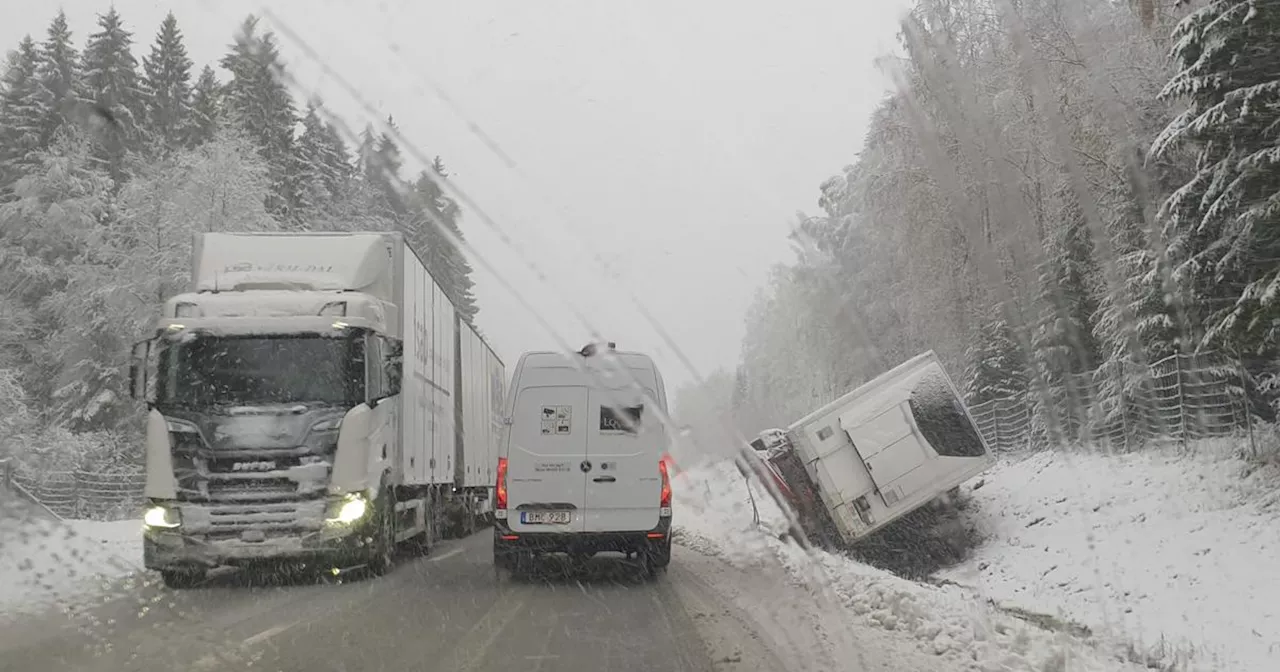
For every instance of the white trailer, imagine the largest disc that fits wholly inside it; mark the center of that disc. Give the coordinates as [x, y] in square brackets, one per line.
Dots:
[305, 403]
[482, 382]
[879, 452]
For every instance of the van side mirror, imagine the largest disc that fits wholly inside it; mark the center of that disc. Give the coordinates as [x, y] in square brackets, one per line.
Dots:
[393, 364]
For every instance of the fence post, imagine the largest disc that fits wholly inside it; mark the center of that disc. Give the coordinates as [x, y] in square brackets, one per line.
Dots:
[995, 417]
[1182, 409]
[1244, 401]
[1123, 404]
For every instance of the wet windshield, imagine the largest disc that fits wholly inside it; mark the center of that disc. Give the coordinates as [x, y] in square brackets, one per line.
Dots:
[207, 370]
[924, 335]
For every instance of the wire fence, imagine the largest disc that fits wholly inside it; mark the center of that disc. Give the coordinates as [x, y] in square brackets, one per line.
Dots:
[1179, 398]
[82, 494]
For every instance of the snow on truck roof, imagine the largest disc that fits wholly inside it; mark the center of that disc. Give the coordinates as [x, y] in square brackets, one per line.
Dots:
[361, 262]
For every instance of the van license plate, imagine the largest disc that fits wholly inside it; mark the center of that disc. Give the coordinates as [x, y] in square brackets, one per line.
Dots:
[544, 517]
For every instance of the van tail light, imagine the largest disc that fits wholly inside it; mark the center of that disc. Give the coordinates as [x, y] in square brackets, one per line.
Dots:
[666, 485]
[501, 488]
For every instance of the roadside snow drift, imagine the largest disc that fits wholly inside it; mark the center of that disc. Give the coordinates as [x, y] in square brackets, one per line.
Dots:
[1175, 551]
[715, 517]
[46, 563]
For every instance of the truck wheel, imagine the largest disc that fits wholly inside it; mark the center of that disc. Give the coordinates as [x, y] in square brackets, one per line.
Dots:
[181, 579]
[420, 544]
[383, 548]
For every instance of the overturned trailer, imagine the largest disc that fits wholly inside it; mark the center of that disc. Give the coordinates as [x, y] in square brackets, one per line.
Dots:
[876, 454]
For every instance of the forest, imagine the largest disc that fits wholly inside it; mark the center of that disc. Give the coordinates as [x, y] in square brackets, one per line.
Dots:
[1055, 197]
[111, 158]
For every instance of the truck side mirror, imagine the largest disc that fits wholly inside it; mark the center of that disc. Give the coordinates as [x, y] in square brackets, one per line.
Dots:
[139, 370]
[394, 366]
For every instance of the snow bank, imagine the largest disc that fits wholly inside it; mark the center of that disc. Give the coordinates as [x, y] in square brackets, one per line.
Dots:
[1175, 551]
[47, 563]
[715, 517]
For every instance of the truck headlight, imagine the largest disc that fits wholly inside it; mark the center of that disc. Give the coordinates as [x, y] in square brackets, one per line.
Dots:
[347, 510]
[161, 517]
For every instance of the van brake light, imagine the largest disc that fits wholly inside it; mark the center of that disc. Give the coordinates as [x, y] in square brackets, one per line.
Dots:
[501, 488]
[666, 485]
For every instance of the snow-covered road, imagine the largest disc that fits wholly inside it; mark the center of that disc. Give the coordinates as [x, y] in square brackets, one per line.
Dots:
[1088, 562]
[46, 563]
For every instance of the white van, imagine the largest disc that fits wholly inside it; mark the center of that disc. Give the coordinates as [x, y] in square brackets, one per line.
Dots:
[582, 465]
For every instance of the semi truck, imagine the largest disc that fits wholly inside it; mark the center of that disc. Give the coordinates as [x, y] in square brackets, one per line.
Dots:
[876, 454]
[313, 398]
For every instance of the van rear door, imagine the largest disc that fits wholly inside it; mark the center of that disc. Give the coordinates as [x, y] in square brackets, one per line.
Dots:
[546, 459]
[624, 483]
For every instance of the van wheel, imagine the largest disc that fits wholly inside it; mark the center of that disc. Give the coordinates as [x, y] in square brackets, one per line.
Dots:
[649, 568]
[660, 553]
[519, 564]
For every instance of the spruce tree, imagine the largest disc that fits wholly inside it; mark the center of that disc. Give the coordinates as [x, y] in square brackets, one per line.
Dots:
[257, 100]
[322, 164]
[1222, 224]
[111, 83]
[206, 109]
[168, 84]
[446, 261]
[21, 112]
[996, 368]
[58, 74]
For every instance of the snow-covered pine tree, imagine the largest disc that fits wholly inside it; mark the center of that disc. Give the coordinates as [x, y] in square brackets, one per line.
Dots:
[995, 367]
[112, 85]
[380, 166]
[206, 108]
[258, 101]
[21, 113]
[59, 76]
[445, 260]
[324, 172]
[58, 211]
[167, 81]
[1062, 339]
[1222, 224]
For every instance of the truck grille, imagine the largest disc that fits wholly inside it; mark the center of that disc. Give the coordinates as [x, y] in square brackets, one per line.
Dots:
[251, 476]
[228, 521]
[257, 489]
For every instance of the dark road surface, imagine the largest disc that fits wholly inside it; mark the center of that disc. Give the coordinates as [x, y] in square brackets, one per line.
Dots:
[447, 611]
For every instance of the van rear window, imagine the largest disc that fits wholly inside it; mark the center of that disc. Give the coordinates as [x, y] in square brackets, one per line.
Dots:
[622, 419]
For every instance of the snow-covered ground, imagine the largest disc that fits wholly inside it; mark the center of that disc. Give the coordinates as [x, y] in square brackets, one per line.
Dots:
[959, 631]
[1175, 551]
[44, 562]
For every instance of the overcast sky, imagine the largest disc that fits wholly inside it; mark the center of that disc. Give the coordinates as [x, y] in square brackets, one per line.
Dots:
[661, 149]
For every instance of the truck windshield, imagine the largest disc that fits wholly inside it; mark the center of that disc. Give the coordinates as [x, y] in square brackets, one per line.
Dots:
[205, 371]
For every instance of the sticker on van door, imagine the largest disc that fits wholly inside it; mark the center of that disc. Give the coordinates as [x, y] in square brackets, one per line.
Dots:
[557, 420]
[623, 420]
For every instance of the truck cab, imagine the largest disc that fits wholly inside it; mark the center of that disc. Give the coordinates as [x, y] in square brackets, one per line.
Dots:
[268, 434]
